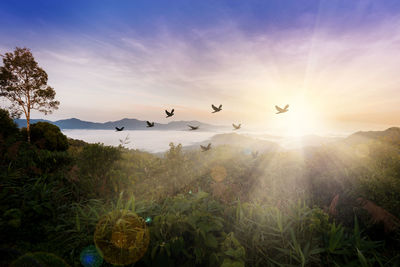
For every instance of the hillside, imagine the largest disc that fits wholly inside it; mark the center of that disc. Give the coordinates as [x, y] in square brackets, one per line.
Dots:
[390, 135]
[238, 140]
[129, 124]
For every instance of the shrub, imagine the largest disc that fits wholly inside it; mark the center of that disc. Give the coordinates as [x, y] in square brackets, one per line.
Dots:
[95, 163]
[47, 136]
[8, 127]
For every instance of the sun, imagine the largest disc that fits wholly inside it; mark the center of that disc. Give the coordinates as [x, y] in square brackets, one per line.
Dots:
[301, 119]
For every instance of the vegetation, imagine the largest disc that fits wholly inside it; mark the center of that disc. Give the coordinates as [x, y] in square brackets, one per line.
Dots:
[47, 136]
[335, 205]
[24, 84]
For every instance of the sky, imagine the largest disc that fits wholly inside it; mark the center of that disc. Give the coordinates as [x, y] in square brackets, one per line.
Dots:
[336, 63]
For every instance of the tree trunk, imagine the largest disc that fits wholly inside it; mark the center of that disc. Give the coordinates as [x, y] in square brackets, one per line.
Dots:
[28, 130]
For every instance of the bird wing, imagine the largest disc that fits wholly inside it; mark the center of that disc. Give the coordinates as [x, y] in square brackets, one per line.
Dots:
[203, 147]
[286, 107]
[234, 125]
[172, 111]
[166, 111]
[122, 128]
[220, 106]
[148, 123]
[209, 146]
[278, 109]
[214, 107]
[240, 125]
[116, 128]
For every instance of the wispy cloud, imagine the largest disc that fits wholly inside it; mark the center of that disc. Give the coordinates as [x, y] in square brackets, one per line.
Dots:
[351, 71]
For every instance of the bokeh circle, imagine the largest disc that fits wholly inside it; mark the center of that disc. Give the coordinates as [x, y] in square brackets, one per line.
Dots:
[90, 257]
[122, 237]
[218, 173]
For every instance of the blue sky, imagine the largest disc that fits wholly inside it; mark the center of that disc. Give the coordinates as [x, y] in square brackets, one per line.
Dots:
[105, 18]
[113, 59]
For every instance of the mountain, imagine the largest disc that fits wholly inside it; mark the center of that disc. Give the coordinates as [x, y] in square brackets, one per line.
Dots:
[76, 124]
[238, 140]
[129, 124]
[22, 123]
[296, 142]
[307, 141]
[390, 135]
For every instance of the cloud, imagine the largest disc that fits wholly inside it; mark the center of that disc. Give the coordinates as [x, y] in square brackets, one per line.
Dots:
[336, 72]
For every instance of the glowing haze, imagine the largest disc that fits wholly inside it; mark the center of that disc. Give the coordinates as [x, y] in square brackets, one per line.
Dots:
[335, 62]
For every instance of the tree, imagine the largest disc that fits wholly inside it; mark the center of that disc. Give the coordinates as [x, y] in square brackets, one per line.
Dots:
[24, 84]
[8, 127]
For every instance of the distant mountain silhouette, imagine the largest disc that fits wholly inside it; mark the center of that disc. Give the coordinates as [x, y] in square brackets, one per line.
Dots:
[129, 124]
[238, 140]
[22, 122]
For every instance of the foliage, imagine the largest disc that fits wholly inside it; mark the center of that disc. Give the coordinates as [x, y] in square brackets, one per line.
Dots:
[222, 207]
[24, 84]
[39, 259]
[95, 163]
[9, 134]
[7, 126]
[48, 136]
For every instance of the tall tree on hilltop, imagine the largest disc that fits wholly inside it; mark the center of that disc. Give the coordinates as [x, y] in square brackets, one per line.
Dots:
[24, 84]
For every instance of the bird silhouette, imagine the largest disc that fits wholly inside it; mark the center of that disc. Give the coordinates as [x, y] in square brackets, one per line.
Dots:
[193, 127]
[282, 110]
[205, 148]
[169, 114]
[216, 109]
[236, 127]
[119, 129]
[149, 124]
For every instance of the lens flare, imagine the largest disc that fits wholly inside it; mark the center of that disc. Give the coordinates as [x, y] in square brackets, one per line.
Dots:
[218, 173]
[148, 220]
[90, 257]
[122, 237]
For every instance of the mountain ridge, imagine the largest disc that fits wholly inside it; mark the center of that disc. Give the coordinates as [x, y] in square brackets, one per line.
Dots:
[129, 124]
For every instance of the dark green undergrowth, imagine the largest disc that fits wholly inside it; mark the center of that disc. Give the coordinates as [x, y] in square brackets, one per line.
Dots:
[326, 206]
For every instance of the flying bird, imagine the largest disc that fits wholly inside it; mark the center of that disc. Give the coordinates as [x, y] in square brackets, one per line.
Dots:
[149, 124]
[236, 127]
[205, 148]
[169, 114]
[119, 129]
[216, 109]
[282, 110]
[193, 127]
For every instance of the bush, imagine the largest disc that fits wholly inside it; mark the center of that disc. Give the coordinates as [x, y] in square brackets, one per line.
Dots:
[9, 134]
[95, 163]
[47, 136]
[8, 127]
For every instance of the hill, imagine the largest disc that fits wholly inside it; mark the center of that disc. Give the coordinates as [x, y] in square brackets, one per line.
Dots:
[390, 135]
[129, 124]
[238, 140]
